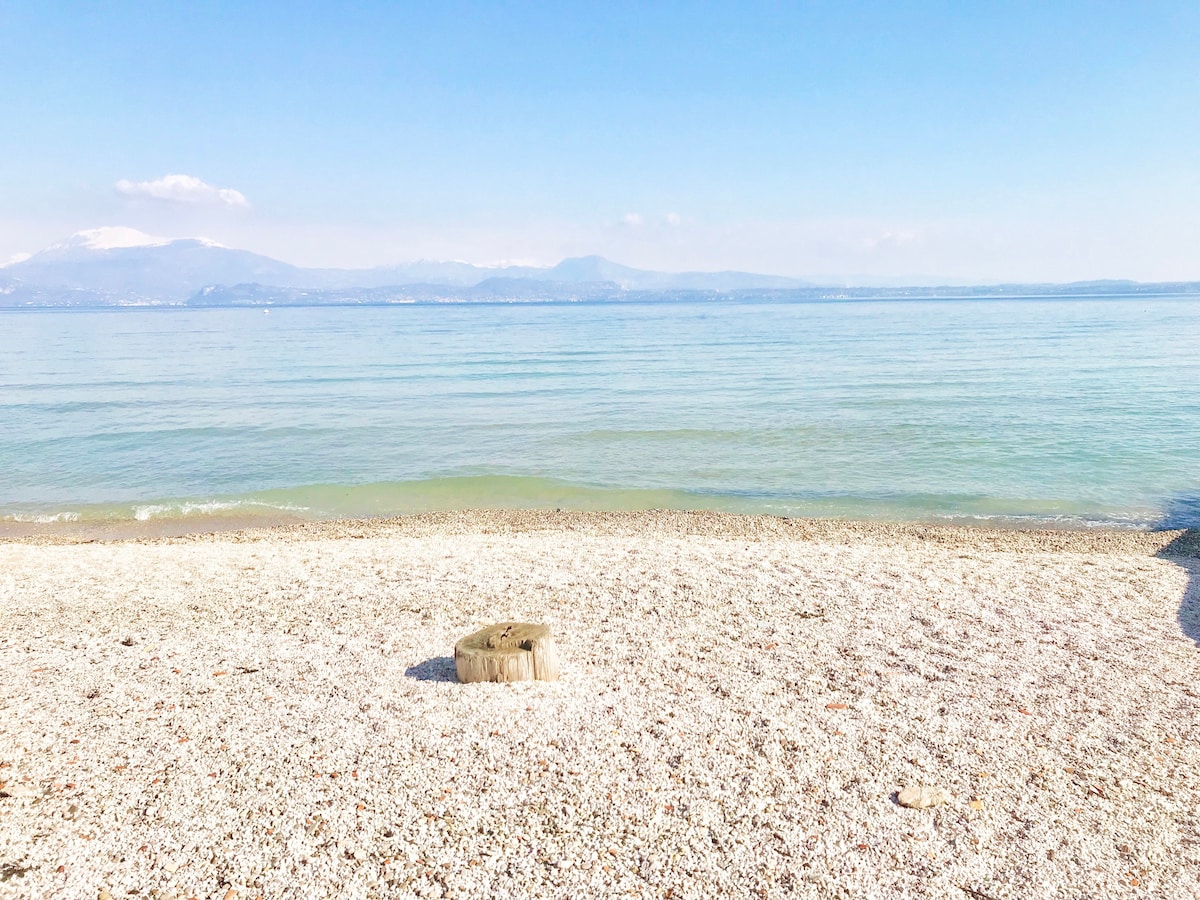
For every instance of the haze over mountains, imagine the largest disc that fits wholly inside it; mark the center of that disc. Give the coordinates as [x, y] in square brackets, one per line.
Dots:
[118, 266]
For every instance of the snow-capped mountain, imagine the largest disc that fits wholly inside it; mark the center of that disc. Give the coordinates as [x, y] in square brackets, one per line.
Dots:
[126, 263]
[115, 237]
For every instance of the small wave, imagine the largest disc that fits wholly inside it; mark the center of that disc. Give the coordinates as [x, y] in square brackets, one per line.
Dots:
[1052, 522]
[190, 508]
[43, 518]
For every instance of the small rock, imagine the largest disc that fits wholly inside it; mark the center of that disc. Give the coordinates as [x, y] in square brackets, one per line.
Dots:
[18, 790]
[104, 895]
[922, 797]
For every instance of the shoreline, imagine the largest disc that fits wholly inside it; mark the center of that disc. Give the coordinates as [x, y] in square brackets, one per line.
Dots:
[1180, 541]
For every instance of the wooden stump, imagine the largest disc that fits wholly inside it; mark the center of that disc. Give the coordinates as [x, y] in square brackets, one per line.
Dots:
[509, 651]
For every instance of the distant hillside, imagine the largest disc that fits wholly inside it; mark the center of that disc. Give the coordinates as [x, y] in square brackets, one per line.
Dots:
[124, 262]
[124, 267]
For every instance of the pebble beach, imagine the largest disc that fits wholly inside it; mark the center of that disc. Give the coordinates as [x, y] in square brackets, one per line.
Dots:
[744, 703]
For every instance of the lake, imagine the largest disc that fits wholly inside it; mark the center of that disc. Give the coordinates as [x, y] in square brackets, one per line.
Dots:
[1062, 412]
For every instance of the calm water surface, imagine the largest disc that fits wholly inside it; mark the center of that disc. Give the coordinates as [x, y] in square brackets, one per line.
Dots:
[1075, 412]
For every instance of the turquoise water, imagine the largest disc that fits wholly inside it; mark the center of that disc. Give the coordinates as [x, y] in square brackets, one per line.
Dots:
[1071, 412]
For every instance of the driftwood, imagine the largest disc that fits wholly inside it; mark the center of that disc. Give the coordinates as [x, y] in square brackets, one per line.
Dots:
[509, 651]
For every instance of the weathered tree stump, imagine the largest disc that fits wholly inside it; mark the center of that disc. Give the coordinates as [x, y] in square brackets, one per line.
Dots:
[509, 651]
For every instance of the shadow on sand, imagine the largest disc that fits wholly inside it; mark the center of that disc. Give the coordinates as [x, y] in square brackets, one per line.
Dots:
[1184, 512]
[440, 668]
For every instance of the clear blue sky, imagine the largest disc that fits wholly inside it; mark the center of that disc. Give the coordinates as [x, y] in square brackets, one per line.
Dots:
[964, 140]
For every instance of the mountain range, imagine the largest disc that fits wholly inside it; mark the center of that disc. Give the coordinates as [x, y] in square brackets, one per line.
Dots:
[126, 267]
[118, 266]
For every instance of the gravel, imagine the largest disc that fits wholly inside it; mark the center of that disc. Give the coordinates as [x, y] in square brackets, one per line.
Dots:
[273, 713]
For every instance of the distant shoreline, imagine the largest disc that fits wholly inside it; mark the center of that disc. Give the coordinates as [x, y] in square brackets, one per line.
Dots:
[268, 297]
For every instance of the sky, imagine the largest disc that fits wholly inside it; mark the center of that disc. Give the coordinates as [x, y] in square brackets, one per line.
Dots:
[968, 141]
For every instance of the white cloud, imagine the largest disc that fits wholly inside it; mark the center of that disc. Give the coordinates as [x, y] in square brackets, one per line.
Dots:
[673, 218]
[632, 219]
[182, 189]
[888, 239]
